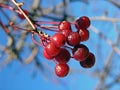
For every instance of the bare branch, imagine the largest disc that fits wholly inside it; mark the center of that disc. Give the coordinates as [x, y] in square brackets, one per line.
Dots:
[21, 10]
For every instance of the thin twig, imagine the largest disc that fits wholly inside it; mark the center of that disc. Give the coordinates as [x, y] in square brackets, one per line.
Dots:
[4, 27]
[32, 56]
[21, 10]
[116, 49]
[104, 18]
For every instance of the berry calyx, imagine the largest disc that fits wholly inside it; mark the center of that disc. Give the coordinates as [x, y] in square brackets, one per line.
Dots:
[84, 34]
[63, 56]
[89, 61]
[73, 38]
[64, 25]
[82, 23]
[80, 52]
[51, 49]
[61, 70]
[58, 39]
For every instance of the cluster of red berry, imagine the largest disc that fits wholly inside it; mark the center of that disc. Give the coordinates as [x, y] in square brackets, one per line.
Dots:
[57, 50]
[57, 47]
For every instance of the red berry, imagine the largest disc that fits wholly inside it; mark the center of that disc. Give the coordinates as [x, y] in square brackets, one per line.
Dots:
[84, 34]
[21, 15]
[59, 39]
[61, 69]
[80, 52]
[47, 56]
[73, 38]
[63, 56]
[64, 25]
[66, 32]
[89, 61]
[51, 49]
[82, 23]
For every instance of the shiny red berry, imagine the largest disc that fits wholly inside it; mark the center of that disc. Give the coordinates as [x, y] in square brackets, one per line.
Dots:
[73, 38]
[64, 25]
[66, 32]
[80, 52]
[61, 70]
[59, 39]
[84, 34]
[82, 23]
[89, 61]
[51, 49]
[63, 56]
[21, 15]
[48, 57]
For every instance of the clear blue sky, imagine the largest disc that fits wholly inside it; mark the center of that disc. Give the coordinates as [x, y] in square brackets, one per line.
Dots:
[18, 77]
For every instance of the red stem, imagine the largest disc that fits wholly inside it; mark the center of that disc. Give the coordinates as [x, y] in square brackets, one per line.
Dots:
[36, 42]
[66, 46]
[47, 28]
[50, 22]
[55, 61]
[16, 27]
[4, 27]
[9, 7]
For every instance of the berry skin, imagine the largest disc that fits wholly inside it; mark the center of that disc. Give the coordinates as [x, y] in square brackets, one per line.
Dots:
[89, 61]
[51, 49]
[58, 39]
[21, 15]
[84, 34]
[80, 52]
[66, 32]
[61, 70]
[64, 25]
[73, 38]
[48, 57]
[82, 23]
[63, 56]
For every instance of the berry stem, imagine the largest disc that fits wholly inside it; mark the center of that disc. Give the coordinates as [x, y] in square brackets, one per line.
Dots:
[49, 22]
[66, 46]
[41, 35]
[16, 27]
[71, 57]
[51, 28]
[55, 61]
[48, 28]
[36, 42]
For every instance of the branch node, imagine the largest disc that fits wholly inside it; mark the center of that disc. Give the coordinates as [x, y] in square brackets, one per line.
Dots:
[20, 4]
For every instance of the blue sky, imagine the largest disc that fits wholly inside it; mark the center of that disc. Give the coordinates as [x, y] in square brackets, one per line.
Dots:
[19, 77]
